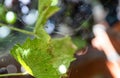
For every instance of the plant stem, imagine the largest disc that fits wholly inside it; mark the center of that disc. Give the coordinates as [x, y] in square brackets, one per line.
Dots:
[19, 30]
[12, 74]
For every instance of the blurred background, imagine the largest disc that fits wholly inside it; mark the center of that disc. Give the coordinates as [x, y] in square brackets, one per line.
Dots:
[75, 18]
[16, 13]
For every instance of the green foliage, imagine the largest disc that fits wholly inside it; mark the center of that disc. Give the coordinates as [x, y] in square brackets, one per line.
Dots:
[45, 11]
[42, 56]
[79, 42]
[63, 51]
[2, 12]
[42, 59]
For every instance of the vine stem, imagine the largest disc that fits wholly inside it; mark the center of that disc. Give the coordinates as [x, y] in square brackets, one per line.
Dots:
[13, 74]
[19, 30]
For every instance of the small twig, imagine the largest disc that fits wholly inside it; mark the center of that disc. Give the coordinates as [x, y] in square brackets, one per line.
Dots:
[19, 30]
[12, 74]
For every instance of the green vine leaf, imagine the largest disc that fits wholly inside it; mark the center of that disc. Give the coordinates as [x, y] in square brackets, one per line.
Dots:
[63, 51]
[42, 59]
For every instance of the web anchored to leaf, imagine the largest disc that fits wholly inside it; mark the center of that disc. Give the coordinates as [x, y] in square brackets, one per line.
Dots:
[44, 57]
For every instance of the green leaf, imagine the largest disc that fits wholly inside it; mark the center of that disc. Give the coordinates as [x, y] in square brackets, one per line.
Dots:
[42, 59]
[45, 11]
[17, 55]
[79, 42]
[54, 2]
[2, 12]
[43, 4]
[51, 11]
[63, 51]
